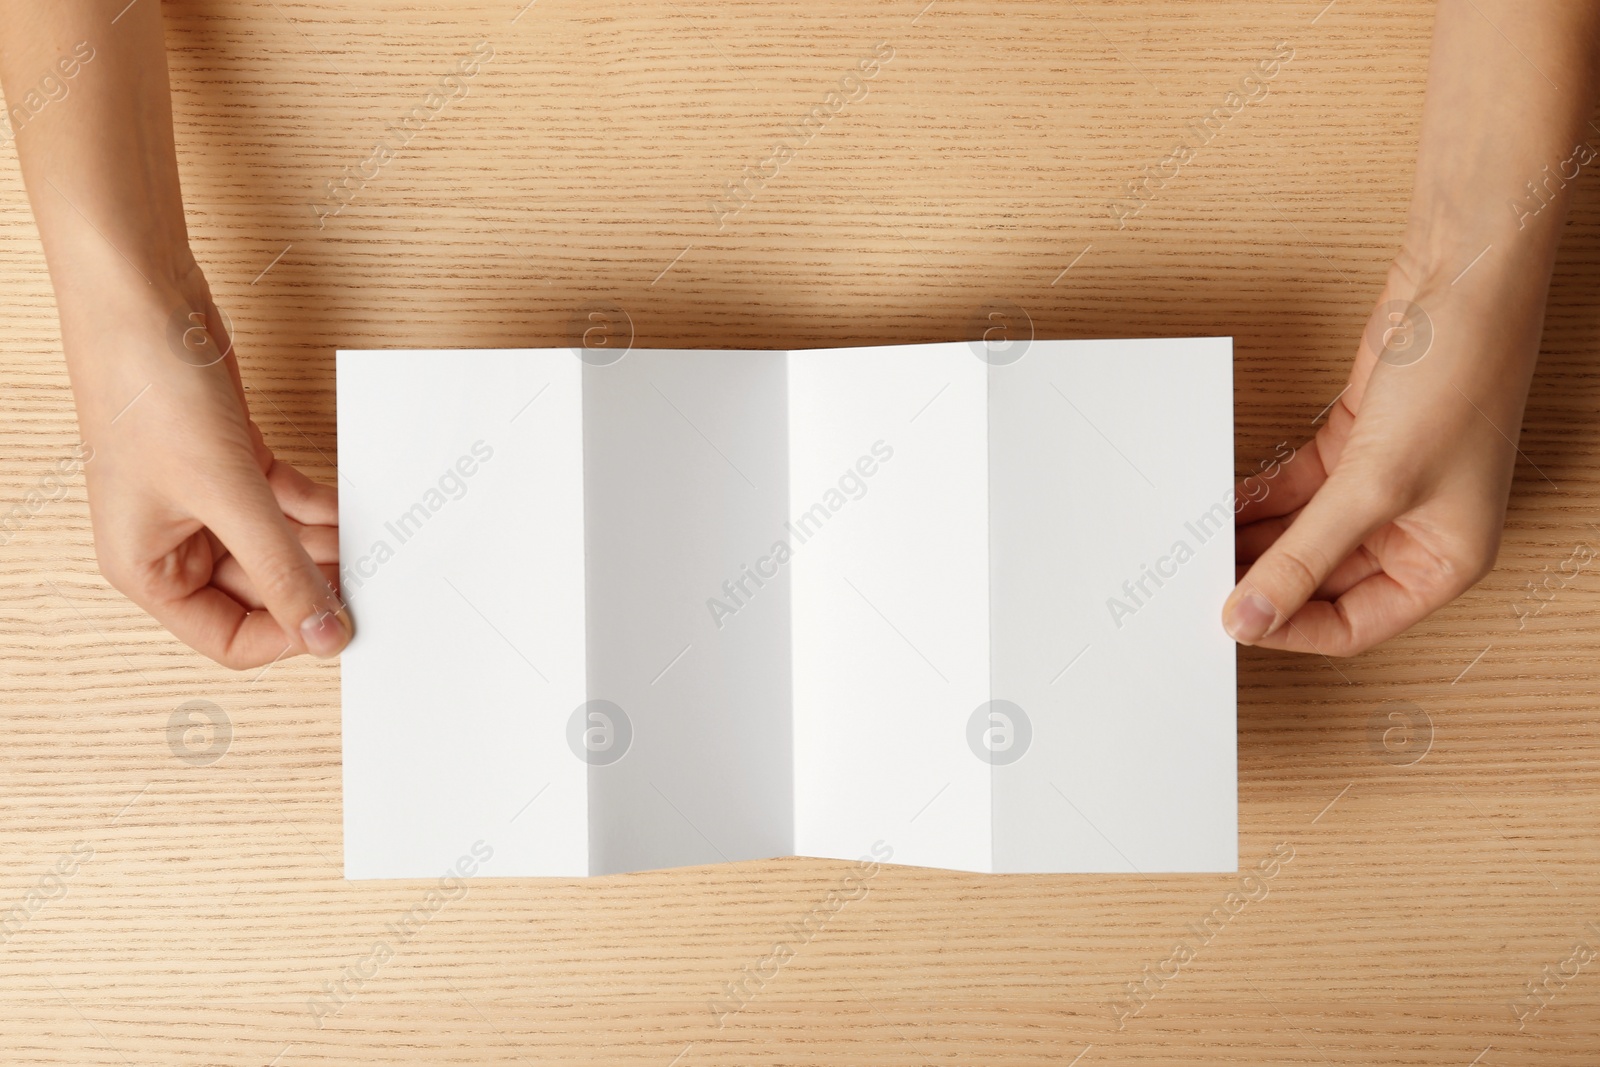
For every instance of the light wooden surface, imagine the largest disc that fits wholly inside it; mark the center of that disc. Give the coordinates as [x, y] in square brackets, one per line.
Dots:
[1421, 899]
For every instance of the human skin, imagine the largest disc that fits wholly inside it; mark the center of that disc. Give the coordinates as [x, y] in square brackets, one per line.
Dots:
[1391, 511]
[195, 520]
[1396, 506]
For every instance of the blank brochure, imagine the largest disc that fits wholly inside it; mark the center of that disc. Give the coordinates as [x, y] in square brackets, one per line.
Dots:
[704, 606]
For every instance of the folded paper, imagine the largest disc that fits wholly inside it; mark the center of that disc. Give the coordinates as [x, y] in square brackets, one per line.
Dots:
[703, 606]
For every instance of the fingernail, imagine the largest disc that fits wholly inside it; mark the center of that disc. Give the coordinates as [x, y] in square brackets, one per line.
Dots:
[325, 633]
[1250, 618]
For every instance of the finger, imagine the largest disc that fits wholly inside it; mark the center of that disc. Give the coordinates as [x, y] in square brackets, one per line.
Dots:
[214, 624]
[320, 542]
[1373, 610]
[1296, 482]
[219, 551]
[1249, 542]
[282, 573]
[1328, 529]
[1354, 569]
[174, 591]
[231, 579]
[302, 499]
[237, 585]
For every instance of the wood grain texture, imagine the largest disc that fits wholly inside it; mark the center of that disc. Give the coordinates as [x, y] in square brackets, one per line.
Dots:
[582, 165]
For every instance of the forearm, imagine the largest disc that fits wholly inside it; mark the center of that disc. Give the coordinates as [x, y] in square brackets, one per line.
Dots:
[96, 148]
[1511, 87]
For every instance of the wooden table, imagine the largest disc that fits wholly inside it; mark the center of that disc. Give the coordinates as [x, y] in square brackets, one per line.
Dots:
[180, 910]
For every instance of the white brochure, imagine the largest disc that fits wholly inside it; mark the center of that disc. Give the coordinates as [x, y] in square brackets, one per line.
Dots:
[693, 607]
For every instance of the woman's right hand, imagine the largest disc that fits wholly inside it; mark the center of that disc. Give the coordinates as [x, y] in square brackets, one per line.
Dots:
[195, 520]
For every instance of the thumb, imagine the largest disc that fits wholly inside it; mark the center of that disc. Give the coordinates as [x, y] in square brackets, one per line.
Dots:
[1328, 529]
[291, 586]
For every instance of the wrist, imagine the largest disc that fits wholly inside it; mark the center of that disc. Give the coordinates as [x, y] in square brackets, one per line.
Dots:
[1439, 257]
[1481, 261]
[1482, 301]
[96, 299]
[97, 272]
[1454, 218]
[132, 333]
